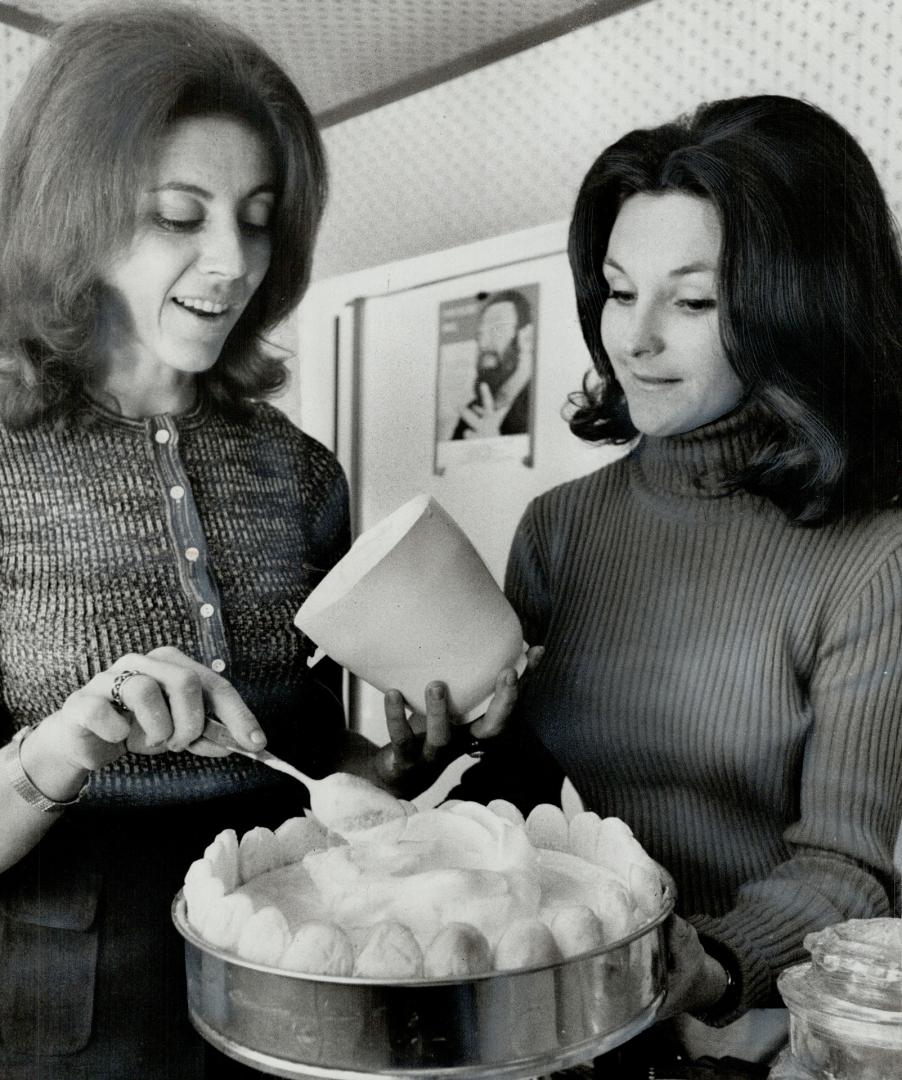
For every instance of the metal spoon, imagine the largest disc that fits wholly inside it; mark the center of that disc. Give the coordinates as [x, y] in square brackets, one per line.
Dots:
[342, 802]
[219, 734]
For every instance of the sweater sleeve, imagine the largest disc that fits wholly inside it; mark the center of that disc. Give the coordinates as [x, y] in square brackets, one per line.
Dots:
[850, 802]
[526, 581]
[327, 505]
[329, 537]
[515, 766]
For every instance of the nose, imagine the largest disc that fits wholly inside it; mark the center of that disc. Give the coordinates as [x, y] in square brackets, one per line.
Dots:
[223, 251]
[644, 336]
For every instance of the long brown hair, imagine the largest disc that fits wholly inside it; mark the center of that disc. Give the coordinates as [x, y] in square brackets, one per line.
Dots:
[78, 144]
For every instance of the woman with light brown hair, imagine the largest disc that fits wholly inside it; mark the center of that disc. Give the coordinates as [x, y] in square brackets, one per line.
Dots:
[161, 186]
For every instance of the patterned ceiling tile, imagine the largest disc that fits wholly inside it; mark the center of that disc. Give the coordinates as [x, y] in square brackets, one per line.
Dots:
[340, 52]
[504, 147]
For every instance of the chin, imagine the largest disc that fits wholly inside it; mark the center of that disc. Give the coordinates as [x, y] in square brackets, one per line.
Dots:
[657, 427]
[664, 427]
[193, 363]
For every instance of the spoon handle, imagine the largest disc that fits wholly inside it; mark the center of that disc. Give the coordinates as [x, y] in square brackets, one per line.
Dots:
[219, 734]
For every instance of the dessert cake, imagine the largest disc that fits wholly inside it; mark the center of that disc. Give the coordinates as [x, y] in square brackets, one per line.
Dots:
[456, 891]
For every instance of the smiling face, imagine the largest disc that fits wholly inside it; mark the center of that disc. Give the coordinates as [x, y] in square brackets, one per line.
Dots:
[660, 326]
[200, 250]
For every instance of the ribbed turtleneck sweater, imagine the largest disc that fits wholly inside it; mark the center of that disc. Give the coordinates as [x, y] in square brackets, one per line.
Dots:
[728, 683]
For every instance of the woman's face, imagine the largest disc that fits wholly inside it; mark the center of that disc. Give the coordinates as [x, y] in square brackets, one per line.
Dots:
[660, 325]
[201, 249]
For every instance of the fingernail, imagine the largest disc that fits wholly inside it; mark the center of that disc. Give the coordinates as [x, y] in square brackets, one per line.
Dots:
[258, 738]
[437, 692]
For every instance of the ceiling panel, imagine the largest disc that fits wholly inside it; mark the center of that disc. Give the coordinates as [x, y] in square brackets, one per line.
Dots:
[348, 56]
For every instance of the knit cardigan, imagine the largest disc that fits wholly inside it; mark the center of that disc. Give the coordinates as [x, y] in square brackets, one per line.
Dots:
[119, 535]
[728, 683]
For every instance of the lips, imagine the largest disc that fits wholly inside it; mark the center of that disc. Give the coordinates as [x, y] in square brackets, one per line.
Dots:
[202, 307]
[653, 381]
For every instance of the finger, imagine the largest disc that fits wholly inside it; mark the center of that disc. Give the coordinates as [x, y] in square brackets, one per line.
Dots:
[500, 707]
[403, 740]
[225, 703]
[677, 937]
[181, 686]
[534, 655]
[185, 697]
[218, 695]
[143, 696]
[177, 685]
[667, 879]
[485, 397]
[438, 722]
[205, 748]
[470, 416]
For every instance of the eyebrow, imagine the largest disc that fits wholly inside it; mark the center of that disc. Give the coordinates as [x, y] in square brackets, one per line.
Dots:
[680, 271]
[693, 268]
[193, 189]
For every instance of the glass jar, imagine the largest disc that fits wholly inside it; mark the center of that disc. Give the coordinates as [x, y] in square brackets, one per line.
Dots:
[846, 1004]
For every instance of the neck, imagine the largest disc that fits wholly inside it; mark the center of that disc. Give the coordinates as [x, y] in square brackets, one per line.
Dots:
[697, 467]
[138, 395]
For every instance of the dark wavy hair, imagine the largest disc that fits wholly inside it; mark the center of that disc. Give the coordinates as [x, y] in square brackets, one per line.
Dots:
[79, 142]
[809, 293]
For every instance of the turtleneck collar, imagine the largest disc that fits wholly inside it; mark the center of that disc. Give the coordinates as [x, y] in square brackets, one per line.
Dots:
[687, 473]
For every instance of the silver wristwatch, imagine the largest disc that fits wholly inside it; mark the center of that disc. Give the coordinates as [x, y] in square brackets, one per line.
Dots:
[21, 782]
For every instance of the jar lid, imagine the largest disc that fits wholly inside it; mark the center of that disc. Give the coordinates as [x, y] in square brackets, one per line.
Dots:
[869, 949]
[855, 1012]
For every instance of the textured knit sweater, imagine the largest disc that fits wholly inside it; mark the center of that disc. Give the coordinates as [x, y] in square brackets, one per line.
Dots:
[118, 536]
[121, 535]
[726, 682]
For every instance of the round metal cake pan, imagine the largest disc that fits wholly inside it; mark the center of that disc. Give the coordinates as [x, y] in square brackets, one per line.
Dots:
[506, 1025]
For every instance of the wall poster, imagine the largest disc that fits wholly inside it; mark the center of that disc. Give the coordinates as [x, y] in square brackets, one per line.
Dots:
[486, 376]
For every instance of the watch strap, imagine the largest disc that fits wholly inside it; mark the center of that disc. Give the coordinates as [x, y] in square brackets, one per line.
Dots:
[21, 782]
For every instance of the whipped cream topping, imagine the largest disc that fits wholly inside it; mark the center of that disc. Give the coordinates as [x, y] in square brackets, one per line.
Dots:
[306, 899]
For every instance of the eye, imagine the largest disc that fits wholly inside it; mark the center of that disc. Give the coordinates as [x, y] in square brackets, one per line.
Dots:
[697, 305]
[254, 228]
[177, 225]
[621, 296]
[255, 216]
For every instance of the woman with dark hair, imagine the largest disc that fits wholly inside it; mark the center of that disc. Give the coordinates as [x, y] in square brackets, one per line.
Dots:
[721, 609]
[160, 190]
